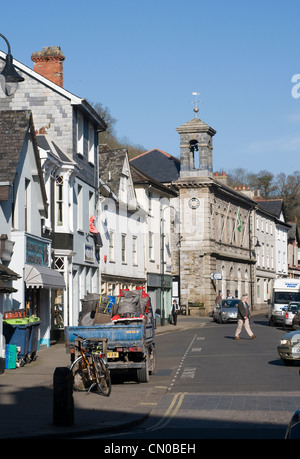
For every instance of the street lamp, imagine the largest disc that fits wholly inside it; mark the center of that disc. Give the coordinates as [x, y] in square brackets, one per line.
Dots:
[257, 244]
[252, 278]
[9, 76]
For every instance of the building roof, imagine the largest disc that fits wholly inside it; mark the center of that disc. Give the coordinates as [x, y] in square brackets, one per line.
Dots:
[110, 167]
[195, 125]
[46, 143]
[14, 126]
[74, 100]
[159, 164]
[140, 178]
[293, 233]
[273, 206]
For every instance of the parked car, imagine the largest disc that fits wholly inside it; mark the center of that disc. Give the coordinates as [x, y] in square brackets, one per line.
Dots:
[226, 311]
[289, 347]
[296, 321]
[291, 310]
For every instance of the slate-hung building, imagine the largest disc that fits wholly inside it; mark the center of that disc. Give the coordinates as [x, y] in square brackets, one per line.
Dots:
[23, 205]
[67, 136]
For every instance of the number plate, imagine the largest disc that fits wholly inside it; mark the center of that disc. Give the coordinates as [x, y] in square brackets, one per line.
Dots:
[112, 355]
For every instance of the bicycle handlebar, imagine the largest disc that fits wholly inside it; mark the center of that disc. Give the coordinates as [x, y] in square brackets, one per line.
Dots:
[90, 343]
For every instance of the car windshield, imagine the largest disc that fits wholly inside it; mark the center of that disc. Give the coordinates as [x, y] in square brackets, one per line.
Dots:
[293, 308]
[230, 303]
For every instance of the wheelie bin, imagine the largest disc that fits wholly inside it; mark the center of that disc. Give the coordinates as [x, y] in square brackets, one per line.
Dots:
[34, 337]
[17, 331]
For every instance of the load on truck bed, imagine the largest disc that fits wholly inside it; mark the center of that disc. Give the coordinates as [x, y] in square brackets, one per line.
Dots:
[127, 323]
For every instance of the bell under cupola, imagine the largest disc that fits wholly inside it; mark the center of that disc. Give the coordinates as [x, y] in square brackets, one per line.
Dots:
[196, 148]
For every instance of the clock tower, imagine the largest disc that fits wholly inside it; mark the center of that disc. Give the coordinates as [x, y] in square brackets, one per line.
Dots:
[196, 149]
[195, 184]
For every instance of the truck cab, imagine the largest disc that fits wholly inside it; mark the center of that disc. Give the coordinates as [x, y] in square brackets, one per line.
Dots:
[284, 291]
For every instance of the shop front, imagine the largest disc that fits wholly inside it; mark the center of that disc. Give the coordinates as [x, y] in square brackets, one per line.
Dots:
[43, 291]
[39, 284]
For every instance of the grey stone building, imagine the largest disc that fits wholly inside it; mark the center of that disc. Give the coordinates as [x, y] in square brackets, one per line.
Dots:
[212, 234]
[216, 225]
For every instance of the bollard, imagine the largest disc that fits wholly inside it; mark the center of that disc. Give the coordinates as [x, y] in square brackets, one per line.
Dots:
[63, 403]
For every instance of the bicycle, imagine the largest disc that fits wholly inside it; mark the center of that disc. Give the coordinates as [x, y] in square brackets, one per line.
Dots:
[90, 369]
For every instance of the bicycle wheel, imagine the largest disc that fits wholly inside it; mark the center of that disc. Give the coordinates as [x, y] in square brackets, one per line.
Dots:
[82, 381]
[102, 376]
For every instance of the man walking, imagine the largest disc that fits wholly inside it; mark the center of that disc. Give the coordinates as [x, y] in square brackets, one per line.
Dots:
[243, 317]
[174, 312]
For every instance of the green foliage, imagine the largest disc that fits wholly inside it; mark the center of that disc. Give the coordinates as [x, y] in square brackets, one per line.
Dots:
[109, 137]
[282, 186]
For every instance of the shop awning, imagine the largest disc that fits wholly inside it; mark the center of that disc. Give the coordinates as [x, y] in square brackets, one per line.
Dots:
[38, 276]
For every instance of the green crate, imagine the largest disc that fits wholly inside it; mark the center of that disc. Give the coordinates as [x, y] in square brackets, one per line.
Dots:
[33, 319]
[11, 356]
[17, 321]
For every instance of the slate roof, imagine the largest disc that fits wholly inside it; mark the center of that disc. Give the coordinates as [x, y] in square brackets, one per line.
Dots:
[293, 233]
[159, 164]
[14, 125]
[13, 128]
[273, 206]
[47, 144]
[110, 167]
[140, 178]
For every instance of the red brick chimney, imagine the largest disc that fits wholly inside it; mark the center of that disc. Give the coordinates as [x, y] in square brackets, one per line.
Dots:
[49, 63]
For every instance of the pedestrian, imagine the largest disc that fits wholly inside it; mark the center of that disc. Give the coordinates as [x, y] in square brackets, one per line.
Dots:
[174, 312]
[95, 233]
[243, 317]
[218, 299]
[229, 297]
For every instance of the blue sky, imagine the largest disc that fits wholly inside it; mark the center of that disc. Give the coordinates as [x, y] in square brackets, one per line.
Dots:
[143, 59]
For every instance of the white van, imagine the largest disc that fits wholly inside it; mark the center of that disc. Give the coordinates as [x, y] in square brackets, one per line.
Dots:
[284, 290]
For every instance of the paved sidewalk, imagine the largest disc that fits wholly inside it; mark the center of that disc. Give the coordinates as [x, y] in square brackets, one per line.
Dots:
[26, 396]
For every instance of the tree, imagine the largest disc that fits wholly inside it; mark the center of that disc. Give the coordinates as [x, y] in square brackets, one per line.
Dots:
[264, 182]
[285, 187]
[288, 188]
[109, 137]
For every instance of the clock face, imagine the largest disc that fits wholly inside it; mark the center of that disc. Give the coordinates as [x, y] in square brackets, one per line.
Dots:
[194, 203]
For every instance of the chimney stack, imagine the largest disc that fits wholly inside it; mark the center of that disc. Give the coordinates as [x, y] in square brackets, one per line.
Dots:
[49, 63]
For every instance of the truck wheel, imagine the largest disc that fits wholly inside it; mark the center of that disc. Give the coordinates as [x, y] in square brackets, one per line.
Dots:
[143, 373]
[272, 322]
[152, 362]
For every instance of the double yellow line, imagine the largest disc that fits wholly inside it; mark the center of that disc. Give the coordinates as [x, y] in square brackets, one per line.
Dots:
[171, 412]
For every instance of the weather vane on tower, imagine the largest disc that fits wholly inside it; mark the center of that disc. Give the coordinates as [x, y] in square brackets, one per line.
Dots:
[196, 109]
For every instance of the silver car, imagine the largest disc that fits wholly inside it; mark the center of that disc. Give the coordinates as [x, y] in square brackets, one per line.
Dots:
[289, 347]
[290, 311]
[226, 311]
